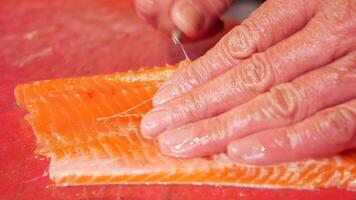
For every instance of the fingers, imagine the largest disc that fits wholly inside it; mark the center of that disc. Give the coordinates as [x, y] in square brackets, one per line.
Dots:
[157, 13]
[269, 24]
[310, 48]
[283, 105]
[328, 132]
[193, 18]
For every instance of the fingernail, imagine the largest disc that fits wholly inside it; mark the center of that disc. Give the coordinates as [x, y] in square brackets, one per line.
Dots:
[155, 122]
[178, 141]
[165, 94]
[188, 17]
[248, 150]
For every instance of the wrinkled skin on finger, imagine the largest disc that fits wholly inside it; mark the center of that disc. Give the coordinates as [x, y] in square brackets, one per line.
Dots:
[279, 87]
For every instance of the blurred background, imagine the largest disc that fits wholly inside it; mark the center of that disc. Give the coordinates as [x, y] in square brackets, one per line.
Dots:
[241, 9]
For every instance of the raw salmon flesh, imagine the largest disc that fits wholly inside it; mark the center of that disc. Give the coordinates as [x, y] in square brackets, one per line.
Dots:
[89, 127]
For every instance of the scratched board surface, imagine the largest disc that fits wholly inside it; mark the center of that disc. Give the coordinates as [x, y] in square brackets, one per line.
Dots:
[44, 39]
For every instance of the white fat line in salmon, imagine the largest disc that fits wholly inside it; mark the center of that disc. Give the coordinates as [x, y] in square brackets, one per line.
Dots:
[125, 112]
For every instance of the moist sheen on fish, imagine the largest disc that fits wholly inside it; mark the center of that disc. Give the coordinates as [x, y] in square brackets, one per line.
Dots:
[89, 127]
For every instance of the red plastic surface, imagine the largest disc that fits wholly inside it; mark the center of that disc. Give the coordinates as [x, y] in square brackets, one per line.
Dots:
[43, 39]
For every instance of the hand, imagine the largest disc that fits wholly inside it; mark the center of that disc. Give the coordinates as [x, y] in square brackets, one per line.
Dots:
[279, 87]
[195, 18]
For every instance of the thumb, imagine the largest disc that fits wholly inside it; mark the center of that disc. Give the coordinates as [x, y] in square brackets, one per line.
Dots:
[196, 18]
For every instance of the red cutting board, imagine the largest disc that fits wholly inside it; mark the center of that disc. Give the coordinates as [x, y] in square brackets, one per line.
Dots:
[43, 39]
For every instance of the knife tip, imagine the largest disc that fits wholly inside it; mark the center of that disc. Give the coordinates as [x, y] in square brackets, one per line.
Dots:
[177, 36]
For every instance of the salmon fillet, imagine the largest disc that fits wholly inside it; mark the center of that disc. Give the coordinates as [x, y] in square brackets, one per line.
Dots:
[89, 127]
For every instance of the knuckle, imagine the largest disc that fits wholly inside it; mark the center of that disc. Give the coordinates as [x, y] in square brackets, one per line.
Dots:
[339, 126]
[196, 75]
[218, 129]
[256, 75]
[194, 106]
[286, 138]
[284, 101]
[186, 79]
[239, 43]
